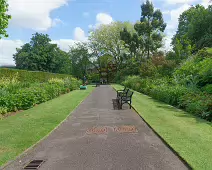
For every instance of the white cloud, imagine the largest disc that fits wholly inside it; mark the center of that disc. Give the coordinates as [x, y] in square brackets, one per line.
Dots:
[206, 3]
[79, 34]
[34, 14]
[180, 1]
[101, 18]
[56, 22]
[64, 44]
[7, 49]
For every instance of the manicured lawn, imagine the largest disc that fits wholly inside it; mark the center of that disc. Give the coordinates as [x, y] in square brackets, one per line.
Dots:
[190, 136]
[19, 132]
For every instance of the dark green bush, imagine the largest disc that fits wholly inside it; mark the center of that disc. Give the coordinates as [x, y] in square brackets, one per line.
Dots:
[208, 88]
[197, 103]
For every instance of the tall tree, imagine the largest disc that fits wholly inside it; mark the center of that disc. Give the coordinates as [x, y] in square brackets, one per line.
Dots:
[194, 28]
[40, 55]
[106, 40]
[4, 18]
[80, 59]
[150, 27]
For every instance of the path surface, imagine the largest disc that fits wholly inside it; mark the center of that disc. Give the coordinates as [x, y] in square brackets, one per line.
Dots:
[70, 148]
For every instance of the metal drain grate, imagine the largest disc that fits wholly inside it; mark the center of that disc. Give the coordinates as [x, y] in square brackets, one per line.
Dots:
[35, 164]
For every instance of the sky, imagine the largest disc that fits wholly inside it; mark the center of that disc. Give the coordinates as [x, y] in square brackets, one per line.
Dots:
[69, 21]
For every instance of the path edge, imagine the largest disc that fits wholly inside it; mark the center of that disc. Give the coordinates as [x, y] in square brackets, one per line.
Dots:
[160, 137]
[24, 153]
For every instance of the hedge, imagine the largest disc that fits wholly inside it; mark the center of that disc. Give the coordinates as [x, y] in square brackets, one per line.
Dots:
[30, 76]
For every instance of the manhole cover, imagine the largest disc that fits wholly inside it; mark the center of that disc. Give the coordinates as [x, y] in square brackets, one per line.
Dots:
[35, 164]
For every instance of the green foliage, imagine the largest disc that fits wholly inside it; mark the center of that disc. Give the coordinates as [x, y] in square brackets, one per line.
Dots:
[150, 27]
[196, 71]
[197, 103]
[3, 110]
[17, 94]
[80, 59]
[165, 90]
[29, 76]
[194, 29]
[41, 55]
[105, 40]
[93, 77]
[4, 18]
[208, 88]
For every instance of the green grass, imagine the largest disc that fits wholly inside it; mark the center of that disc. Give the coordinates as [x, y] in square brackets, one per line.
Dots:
[21, 131]
[189, 136]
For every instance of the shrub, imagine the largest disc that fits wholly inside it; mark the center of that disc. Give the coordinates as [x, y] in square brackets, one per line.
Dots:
[196, 71]
[3, 110]
[197, 103]
[56, 81]
[20, 95]
[30, 76]
[208, 88]
[168, 94]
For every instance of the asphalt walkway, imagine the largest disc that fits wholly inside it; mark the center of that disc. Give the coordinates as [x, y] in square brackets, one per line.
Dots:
[97, 137]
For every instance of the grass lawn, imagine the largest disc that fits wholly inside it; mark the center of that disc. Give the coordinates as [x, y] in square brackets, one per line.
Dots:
[19, 132]
[189, 136]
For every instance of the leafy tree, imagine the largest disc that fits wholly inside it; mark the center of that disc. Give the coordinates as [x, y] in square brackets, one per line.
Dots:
[194, 28]
[150, 27]
[134, 44]
[40, 55]
[4, 18]
[106, 40]
[80, 59]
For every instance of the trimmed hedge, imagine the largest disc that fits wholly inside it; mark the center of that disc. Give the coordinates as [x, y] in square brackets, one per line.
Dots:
[30, 76]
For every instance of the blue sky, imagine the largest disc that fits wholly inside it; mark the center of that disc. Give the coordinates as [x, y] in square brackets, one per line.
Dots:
[68, 21]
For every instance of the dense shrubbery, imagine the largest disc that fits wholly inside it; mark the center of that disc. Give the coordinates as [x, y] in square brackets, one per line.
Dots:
[166, 90]
[189, 88]
[16, 95]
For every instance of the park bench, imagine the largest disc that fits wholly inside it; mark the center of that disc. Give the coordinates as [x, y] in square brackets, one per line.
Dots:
[122, 92]
[122, 99]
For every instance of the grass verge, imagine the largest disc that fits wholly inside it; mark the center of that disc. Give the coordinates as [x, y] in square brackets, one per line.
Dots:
[188, 135]
[19, 132]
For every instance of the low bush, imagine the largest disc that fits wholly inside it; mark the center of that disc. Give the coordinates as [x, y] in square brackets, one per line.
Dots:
[208, 88]
[197, 103]
[166, 90]
[24, 95]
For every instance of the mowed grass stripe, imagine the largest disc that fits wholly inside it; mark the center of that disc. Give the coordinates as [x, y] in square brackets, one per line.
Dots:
[189, 136]
[21, 131]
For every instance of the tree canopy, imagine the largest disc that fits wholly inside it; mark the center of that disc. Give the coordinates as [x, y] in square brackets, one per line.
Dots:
[195, 28]
[4, 18]
[41, 55]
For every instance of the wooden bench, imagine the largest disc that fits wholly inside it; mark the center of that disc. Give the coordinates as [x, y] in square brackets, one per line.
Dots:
[126, 99]
[122, 92]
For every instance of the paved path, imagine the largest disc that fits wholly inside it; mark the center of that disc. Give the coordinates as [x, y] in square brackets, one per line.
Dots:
[70, 148]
